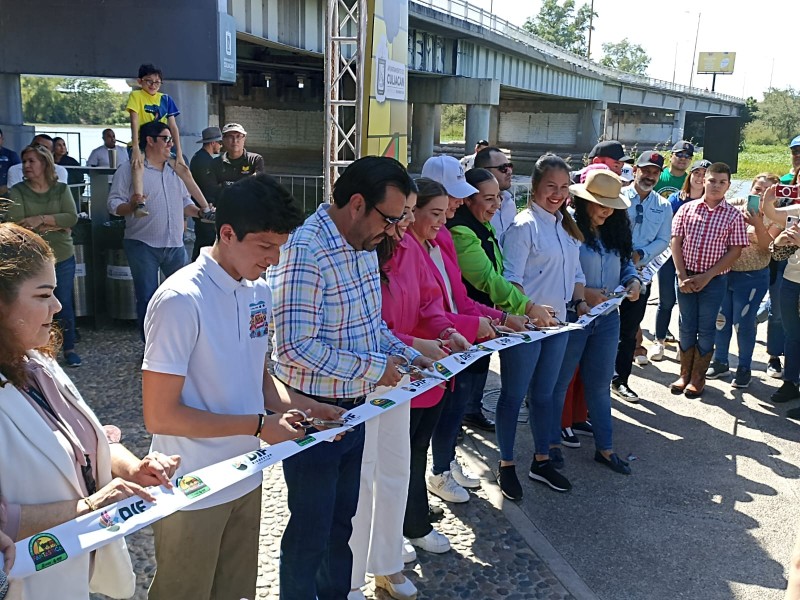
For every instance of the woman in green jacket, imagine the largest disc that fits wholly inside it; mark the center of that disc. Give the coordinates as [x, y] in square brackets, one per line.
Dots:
[42, 204]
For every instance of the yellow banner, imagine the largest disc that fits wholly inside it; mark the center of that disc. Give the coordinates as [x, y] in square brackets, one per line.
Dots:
[385, 129]
[716, 62]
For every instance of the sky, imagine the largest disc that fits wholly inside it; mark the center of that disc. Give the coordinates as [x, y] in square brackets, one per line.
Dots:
[759, 36]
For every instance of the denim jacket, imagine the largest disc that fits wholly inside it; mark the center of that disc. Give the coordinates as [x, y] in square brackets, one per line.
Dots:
[653, 231]
[605, 270]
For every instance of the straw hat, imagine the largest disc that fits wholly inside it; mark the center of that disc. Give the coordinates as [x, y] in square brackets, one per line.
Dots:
[603, 188]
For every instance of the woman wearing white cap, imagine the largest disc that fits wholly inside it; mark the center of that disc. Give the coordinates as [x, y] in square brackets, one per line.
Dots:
[605, 257]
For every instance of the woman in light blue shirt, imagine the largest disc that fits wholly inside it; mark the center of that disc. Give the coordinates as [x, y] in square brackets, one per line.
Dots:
[605, 258]
[540, 257]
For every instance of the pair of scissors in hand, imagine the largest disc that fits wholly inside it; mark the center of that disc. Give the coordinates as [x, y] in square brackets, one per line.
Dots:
[415, 371]
[315, 422]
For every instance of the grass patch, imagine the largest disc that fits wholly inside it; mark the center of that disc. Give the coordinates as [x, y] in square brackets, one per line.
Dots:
[757, 159]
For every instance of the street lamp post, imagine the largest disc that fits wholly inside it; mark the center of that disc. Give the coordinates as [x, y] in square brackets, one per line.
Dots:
[694, 53]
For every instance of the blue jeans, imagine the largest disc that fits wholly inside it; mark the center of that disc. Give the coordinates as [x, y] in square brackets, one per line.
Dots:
[789, 298]
[594, 348]
[530, 369]
[322, 484]
[775, 336]
[443, 443]
[699, 315]
[145, 262]
[667, 296]
[739, 307]
[475, 399]
[65, 284]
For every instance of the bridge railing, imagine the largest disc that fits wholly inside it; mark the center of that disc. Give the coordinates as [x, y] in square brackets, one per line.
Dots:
[483, 18]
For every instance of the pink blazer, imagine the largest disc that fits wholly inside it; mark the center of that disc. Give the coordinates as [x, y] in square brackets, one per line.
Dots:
[412, 304]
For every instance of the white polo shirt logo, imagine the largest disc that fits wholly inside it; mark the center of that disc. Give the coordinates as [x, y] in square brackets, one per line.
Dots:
[259, 320]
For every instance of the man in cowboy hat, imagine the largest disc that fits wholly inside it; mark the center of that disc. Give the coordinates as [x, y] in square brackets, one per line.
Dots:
[200, 166]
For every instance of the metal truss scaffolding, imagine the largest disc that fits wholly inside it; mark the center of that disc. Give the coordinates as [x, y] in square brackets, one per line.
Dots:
[345, 32]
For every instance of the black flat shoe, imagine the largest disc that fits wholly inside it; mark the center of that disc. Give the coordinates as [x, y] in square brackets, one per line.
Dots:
[478, 420]
[614, 462]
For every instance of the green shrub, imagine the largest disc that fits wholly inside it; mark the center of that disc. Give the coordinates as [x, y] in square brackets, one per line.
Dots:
[759, 133]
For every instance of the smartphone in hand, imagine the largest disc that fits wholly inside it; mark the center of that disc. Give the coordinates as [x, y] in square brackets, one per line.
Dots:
[753, 203]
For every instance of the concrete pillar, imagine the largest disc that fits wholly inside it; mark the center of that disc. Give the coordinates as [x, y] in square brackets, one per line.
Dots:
[16, 135]
[422, 128]
[477, 127]
[192, 100]
[494, 126]
[678, 124]
[591, 124]
[437, 125]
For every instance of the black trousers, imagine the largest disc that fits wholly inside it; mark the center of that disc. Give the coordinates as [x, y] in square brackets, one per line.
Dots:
[423, 421]
[630, 317]
[205, 234]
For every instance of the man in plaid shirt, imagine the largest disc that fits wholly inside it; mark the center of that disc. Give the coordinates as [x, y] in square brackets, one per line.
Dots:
[332, 345]
[707, 238]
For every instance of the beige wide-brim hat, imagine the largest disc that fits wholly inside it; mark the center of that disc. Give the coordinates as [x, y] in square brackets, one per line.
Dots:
[603, 188]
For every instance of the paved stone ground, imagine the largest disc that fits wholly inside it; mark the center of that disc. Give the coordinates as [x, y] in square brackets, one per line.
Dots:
[709, 512]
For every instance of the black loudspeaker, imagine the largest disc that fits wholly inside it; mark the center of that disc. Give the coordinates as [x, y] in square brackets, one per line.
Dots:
[721, 141]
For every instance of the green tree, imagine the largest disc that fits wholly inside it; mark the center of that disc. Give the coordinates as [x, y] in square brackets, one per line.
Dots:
[780, 110]
[625, 56]
[71, 100]
[562, 25]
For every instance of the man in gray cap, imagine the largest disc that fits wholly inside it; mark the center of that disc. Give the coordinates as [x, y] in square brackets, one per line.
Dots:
[200, 166]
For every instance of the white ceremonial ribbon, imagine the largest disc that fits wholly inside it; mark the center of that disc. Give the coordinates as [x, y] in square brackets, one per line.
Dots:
[650, 269]
[115, 521]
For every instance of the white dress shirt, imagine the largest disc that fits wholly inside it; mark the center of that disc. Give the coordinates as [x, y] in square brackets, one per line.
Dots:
[15, 175]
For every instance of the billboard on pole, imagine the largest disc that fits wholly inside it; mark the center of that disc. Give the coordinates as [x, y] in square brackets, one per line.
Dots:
[715, 62]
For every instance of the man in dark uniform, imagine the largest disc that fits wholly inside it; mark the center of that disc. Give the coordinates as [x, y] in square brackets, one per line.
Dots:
[235, 162]
[203, 159]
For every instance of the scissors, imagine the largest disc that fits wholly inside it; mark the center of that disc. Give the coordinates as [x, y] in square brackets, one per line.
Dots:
[500, 333]
[315, 422]
[409, 369]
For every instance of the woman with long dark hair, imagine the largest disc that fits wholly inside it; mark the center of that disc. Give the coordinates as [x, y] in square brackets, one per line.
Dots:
[605, 257]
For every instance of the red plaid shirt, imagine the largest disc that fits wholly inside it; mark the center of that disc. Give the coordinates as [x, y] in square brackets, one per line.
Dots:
[707, 234]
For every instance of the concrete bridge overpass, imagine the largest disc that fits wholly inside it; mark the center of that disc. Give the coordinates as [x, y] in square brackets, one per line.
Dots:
[520, 91]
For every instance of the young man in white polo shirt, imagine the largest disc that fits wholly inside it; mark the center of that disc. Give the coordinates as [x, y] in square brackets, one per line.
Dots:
[205, 389]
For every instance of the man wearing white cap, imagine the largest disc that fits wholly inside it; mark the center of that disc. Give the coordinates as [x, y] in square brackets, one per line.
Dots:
[235, 162]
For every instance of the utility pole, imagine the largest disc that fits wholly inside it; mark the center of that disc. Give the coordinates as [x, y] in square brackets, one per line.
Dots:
[694, 53]
[589, 44]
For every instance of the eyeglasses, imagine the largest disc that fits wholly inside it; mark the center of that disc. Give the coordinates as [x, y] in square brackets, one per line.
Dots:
[683, 155]
[167, 138]
[390, 220]
[151, 82]
[504, 168]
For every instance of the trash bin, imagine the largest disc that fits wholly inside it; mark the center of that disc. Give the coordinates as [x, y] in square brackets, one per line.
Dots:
[83, 294]
[120, 297]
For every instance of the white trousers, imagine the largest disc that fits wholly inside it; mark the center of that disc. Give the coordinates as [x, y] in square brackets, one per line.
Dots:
[377, 539]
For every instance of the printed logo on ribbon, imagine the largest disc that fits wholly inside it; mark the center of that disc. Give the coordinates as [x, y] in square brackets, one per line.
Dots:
[239, 465]
[108, 522]
[305, 441]
[442, 370]
[466, 357]
[192, 486]
[383, 403]
[46, 551]
[259, 320]
[259, 456]
[415, 387]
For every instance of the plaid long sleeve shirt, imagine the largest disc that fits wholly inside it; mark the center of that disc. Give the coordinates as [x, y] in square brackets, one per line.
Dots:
[330, 339]
[708, 233]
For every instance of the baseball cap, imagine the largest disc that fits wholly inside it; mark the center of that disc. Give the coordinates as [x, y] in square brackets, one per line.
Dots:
[233, 127]
[482, 143]
[609, 149]
[448, 171]
[795, 142]
[683, 146]
[654, 159]
[699, 164]
[627, 174]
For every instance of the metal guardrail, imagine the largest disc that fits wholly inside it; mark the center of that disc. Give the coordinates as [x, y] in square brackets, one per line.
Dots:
[308, 189]
[478, 16]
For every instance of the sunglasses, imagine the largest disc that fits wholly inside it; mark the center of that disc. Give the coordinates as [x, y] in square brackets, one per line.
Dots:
[795, 151]
[683, 155]
[167, 138]
[390, 220]
[504, 168]
[639, 214]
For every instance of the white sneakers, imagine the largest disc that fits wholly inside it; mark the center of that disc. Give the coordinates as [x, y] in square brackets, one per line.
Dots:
[409, 554]
[399, 591]
[444, 486]
[657, 351]
[464, 478]
[434, 542]
[641, 359]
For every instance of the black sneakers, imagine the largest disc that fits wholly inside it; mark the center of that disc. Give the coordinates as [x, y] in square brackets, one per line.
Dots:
[509, 482]
[478, 420]
[613, 462]
[623, 392]
[545, 473]
[788, 391]
[569, 439]
[583, 428]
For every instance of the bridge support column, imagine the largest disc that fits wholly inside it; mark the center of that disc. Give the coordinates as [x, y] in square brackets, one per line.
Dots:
[192, 99]
[422, 133]
[16, 135]
[437, 125]
[592, 124]
[477, 127]
[678, 123]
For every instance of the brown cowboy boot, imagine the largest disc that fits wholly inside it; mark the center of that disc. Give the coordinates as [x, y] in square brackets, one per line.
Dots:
[686, 358]
[697, 383]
